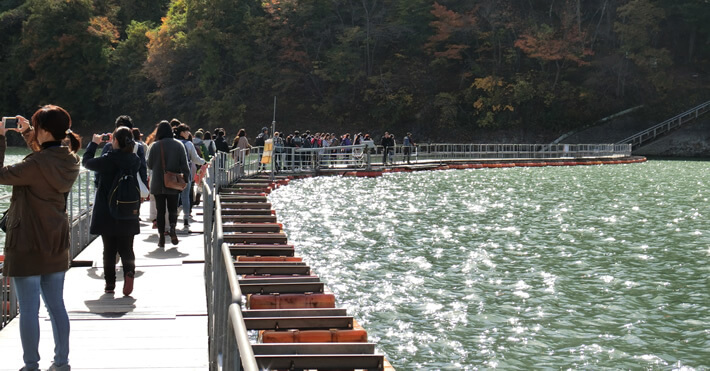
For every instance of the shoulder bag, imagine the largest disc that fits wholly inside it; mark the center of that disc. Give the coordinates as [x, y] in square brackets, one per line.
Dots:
[171, 180]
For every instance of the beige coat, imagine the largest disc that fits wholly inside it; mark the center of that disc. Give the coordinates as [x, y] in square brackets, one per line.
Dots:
[38, 233]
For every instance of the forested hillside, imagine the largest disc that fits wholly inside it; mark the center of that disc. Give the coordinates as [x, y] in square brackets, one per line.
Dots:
[454, 70]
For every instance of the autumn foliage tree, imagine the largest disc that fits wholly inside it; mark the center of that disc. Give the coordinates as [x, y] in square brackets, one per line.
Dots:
[464, 70]
[560, 46]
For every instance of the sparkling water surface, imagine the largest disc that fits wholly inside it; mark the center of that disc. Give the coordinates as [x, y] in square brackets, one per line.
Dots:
[585, 267]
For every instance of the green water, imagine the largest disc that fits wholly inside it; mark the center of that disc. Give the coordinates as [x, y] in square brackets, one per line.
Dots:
[595, 267]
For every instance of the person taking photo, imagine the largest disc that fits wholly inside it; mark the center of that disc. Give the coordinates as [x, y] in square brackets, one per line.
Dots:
[37, 227]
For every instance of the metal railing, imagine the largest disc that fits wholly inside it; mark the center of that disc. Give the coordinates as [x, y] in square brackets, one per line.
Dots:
[229, 345]
[653, 132]
[362, 157]
[439, 152]
[80, 206]
[79, 209]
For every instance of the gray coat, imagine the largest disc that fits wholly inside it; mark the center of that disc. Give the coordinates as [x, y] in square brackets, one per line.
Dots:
[175, 161]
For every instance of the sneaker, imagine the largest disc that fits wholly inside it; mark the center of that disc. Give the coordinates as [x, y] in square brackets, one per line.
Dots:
[128, 283]
[54, 367]
[109, 288]
[155, 224]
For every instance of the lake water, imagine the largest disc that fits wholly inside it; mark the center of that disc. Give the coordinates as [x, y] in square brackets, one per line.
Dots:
[594, 267]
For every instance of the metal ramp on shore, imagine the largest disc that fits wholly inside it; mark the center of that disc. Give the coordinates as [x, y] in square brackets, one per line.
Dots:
[651, 134]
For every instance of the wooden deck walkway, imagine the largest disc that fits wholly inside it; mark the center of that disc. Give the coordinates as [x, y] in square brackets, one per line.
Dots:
[162, 325]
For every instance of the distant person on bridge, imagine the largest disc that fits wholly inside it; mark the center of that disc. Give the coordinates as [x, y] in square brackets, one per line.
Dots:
[241, 143]
[37, 242]
[262, 137]
[387, 144]
[116, 234]
[209, 143]
[407, 145]
[193, 161]
[221, 141]
[127, 121]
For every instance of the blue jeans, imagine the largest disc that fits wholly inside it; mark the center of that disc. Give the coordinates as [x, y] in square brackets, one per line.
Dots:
[51, 287]
[185, 199]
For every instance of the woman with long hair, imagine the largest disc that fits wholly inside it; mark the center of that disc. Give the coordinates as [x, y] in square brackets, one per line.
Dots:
[37, 240]
[241, 144]
[117, 234]
[169, 151]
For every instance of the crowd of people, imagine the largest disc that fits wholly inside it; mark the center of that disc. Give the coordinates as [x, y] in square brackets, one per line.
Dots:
[287, 143]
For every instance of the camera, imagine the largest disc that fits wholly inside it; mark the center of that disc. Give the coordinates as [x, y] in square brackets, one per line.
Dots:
[105, 138]
[10, 122]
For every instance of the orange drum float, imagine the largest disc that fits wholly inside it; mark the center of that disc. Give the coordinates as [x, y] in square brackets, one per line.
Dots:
[290, 301]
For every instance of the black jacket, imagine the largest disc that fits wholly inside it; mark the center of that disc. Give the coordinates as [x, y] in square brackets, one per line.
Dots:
[143, 170]
[107, 167]
[387, 142]
[221, 144]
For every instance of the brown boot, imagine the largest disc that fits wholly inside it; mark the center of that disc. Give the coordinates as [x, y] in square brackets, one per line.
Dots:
[173, 235]
[128, 283]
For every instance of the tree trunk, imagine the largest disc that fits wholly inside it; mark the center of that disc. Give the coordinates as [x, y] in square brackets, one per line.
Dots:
[579, 17]
[596, 31]
[691, 44]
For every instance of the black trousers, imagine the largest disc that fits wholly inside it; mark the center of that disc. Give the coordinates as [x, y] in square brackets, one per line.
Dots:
[123, 245]
[161, 202]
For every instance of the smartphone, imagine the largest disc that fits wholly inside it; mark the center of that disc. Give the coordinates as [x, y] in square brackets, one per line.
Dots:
[10, 122]
[105, 138]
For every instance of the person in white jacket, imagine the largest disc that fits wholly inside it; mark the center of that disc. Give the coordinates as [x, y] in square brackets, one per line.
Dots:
[194, 160]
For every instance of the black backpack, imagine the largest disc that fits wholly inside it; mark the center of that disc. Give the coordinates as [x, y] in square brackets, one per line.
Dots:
[124, 201]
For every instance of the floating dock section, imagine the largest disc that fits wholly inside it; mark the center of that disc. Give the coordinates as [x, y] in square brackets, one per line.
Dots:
[295, 314]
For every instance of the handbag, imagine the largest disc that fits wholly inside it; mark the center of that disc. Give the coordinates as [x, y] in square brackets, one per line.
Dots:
[170, 179]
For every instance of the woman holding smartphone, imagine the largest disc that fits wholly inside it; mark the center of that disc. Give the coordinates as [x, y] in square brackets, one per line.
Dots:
[117, 235]
[37, 241]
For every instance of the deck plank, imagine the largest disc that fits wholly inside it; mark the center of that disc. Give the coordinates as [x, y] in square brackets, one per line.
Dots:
[162, 325]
